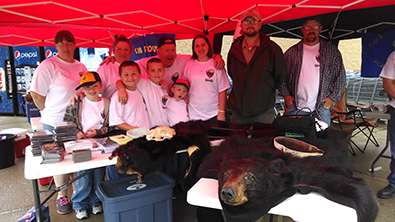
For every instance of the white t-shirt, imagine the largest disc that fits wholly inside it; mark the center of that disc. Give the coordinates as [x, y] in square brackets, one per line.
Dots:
[177, 111]
[56, 80]
[206, 82]
[171, 73]
[156, 100]
[109, 74]
[91, 114]
[388, 72]
[133, 112]
[309, 79]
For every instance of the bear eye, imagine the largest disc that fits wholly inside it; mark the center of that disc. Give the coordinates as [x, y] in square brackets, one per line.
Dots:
[226, 175]
[249, 177]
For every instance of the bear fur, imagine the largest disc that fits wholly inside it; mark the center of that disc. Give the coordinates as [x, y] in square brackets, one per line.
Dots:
[254, 176]
[143, 157]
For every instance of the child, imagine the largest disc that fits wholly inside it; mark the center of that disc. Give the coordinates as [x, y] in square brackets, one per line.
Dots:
[177, 110]
[91, 117]
[131, 115]
[155, 93]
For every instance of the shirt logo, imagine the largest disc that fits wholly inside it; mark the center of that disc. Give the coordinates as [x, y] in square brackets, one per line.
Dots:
[210, 73]
[164, 100]
[174, 77]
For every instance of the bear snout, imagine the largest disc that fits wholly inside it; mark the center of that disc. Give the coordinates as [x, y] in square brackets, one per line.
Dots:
[227, 194]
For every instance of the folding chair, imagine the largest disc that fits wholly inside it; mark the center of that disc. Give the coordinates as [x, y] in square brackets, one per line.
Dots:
[360, 127]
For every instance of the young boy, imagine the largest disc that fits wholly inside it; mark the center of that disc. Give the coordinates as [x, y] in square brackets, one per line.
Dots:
[91, 117]
[131, 115]
[177, 110]
[155, 93]
[134, 113]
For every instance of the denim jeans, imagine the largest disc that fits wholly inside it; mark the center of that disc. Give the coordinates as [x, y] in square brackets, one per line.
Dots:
[85, 189]
[49, 128]
[112, 172]
[391, 125]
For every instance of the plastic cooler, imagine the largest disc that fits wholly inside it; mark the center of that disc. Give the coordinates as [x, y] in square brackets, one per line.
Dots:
[150, 201]
[22, 140]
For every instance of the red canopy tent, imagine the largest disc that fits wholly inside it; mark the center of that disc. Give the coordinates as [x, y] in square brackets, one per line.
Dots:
[94, 23]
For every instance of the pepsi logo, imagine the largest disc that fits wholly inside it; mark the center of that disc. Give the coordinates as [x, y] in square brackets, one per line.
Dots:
[48, 53]
[17, 55]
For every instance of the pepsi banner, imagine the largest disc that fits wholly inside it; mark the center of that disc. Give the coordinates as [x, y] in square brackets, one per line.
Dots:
[376, 48]
[146, 46]
[26, 55]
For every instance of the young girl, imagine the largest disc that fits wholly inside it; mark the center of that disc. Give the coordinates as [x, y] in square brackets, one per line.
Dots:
[207, 94]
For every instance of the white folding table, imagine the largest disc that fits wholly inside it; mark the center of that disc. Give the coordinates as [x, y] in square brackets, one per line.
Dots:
[35, 170]
[310, 207]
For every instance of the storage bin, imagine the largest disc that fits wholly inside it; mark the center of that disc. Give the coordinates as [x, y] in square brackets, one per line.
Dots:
[7, 147]
[150, 201]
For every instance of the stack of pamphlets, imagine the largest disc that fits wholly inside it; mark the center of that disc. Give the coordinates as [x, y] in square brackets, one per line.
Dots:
[52, 153]
[65, 131]
[106, 144]
[121, 139]
[40, 138]
[78, 145]
[82, 155]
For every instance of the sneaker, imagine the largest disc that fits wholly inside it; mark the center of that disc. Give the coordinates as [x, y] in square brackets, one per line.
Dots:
[387, 192]
[63, 204]
[81, 214]
[97, 209]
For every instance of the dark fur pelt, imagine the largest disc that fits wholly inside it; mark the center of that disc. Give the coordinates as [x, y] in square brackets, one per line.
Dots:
[268, 176]
[145, 157]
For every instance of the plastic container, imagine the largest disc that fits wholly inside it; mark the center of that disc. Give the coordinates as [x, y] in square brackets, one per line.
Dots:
[44, 181]
[21, 141]
[7, 147]
[150, 201]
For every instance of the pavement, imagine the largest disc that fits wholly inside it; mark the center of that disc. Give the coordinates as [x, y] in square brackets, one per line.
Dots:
[16, 195]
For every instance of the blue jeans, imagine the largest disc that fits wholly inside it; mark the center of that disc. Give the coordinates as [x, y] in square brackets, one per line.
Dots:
[112, 173]
[85, 189]
[49, 128]
[391, 125]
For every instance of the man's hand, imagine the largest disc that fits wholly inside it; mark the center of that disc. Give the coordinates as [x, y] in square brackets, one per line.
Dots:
[328, 103]
[122, 96]
[289, 100]
[78, 95]
[108, 60]
[186, 99]
[219, 62]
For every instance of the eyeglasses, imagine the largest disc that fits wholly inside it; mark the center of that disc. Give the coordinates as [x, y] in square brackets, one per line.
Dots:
[67, 43]
[312, 27]
[246, 22]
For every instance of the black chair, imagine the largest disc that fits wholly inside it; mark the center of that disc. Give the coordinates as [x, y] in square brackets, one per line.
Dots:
[360, 127]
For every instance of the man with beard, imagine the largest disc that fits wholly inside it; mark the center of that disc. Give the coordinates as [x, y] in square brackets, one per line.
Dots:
[257, 67]
[316, 76]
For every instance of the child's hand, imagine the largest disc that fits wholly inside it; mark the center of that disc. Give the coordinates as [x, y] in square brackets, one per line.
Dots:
[108, 60]
[164, 84]
[122, 96]
[78, 95]
[90, 133]
[186, 99]
[80, 135]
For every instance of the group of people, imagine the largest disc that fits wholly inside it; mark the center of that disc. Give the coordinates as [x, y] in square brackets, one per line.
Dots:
[171, 88]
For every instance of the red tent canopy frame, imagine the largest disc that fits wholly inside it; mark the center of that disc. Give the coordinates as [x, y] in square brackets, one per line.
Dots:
[95, 23]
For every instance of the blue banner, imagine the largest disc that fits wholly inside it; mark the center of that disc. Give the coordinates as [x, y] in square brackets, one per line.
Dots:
[26, 55]
[376, 48]
[146, 46]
